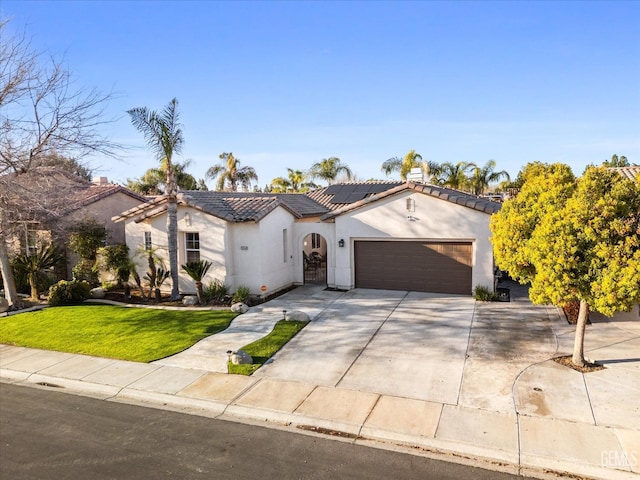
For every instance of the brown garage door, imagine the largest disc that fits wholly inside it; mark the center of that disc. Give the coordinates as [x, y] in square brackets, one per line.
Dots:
[438, 267]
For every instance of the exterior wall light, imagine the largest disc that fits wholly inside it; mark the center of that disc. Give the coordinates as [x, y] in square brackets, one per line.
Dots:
[187, 219]
[341, 242]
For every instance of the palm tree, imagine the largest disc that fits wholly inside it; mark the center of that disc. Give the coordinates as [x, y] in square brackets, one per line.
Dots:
[154, 180]
[164, 136]
[482, 177]
[46, 257]
[197, 269]
[228, 172]
[328, 169]
[410, 160]
[296, 182]
[454, 175]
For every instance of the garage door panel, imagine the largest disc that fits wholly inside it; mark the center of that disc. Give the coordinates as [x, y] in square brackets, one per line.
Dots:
[439, 267]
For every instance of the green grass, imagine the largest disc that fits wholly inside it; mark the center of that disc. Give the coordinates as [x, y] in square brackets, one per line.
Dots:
[263, 349]
[137, 334]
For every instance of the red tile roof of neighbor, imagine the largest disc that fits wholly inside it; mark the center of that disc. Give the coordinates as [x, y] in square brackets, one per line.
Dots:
[71, 192]
[93, 193]
[326, 202]
[632, 173]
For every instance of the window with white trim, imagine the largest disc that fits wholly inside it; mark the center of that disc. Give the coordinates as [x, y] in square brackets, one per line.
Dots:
[192, 246]
[147, 241]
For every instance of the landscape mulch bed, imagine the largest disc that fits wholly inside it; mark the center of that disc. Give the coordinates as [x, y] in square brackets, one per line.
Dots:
[589, 367]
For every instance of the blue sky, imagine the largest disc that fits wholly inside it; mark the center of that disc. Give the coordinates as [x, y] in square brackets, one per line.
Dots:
[285, 84]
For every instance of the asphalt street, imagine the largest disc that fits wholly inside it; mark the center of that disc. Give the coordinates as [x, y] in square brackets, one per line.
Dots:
[47, 434]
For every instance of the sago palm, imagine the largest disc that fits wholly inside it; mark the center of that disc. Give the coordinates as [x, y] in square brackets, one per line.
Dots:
[48, 256]
[197, 270]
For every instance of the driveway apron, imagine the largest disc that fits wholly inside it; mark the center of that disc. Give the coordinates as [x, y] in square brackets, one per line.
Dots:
[325, 350]
[210, 353]
[411, 345]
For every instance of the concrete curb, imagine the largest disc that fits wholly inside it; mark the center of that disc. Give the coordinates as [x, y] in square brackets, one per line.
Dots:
[483, 456]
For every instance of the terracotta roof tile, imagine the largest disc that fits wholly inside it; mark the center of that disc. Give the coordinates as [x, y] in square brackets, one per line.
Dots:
[632, 173]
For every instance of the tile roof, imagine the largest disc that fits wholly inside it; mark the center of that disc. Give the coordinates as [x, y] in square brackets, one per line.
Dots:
[337, 196]
[233, 206]
[69, 191]
[454, 196]
[632, 173]
[92, 193]
[326, 202]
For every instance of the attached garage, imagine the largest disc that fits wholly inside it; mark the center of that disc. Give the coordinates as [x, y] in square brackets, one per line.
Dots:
[421, 266]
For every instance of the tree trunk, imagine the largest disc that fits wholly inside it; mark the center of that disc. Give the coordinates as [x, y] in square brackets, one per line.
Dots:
[172, 238]
[152, 275]
[578, 345]
[10, 292]
[199, 292]
[33, 283]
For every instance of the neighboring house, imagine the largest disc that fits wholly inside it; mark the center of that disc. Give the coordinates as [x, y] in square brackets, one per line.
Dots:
[81, 201]
[391, 235]
[632, 173]
[100, 201]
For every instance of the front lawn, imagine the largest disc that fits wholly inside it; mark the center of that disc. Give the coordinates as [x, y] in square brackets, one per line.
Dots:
[137, 334]
[263, 349]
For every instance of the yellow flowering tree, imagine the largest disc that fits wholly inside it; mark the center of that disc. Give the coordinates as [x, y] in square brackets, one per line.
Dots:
[573, 240]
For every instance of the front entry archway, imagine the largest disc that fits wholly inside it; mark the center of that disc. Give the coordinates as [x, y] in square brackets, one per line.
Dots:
[314, 259]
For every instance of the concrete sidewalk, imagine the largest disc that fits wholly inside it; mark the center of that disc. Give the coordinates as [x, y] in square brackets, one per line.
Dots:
[514, 409]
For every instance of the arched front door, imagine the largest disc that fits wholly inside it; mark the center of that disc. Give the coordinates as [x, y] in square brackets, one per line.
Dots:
[314, 259]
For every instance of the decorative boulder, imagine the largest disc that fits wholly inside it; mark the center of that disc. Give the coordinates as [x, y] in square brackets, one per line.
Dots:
[239, 307]
[297, 316]
[4, 305]
[97, 292]
[240, 357]
[190, 300]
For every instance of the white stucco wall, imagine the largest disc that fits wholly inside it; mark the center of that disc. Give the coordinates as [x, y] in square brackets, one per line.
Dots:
[276, 233]
[435, 220]
[257, 253]
[213, 244]
[252, 254]
[327, 231]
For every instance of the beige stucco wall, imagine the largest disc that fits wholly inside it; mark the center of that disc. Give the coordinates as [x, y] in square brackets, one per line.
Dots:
[434, 220]
[102, 211]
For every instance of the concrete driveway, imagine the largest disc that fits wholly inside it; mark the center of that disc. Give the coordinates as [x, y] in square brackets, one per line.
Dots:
[444, 349]
[440, 348]
[411, 345]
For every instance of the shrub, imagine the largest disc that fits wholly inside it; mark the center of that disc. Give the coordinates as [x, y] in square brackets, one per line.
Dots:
[483, 294]
[86, 238]
[86, 271]
[116, 259]
[242, 294]
[68, 293]
[109, 286]
[215, 291]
